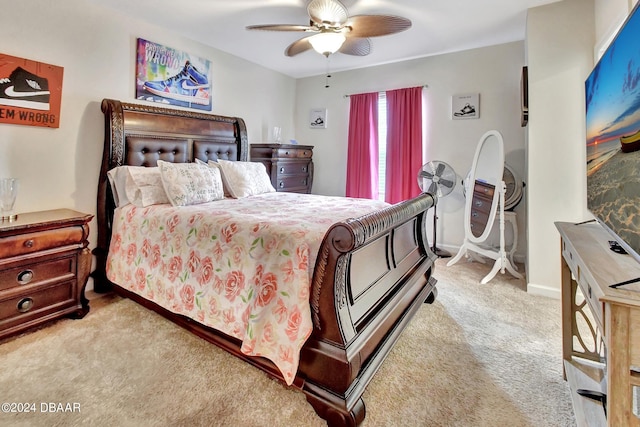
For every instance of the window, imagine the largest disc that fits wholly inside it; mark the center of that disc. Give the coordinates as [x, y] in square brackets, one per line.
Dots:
[367, 175]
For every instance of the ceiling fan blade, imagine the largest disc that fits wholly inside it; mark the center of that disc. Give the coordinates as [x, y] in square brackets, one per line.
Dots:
[356, 46]
[281, 27]
[377, 25]
[440, 168]
[298, 46]
[330, 12]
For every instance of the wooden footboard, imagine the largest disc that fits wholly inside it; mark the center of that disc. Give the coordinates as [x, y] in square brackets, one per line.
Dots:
[371, 276]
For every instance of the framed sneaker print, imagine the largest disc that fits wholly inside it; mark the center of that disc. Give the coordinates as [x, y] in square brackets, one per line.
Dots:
[30, 92]
[170, 76]
[466, 106]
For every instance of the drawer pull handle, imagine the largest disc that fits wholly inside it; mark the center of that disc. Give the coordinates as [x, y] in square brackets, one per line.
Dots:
[589, 291]
[25, 277]
[304, 169]
[281, 184]
[281, 170]
[28, 243]
[478, 203]
[24, 305]
[286, 153]
[474, 214]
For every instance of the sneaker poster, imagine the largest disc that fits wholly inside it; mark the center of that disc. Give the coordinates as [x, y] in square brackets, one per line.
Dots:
[170, 76]
[30, 92]
[465, 106]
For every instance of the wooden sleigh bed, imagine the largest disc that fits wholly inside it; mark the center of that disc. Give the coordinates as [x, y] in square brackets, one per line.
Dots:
[371, 274]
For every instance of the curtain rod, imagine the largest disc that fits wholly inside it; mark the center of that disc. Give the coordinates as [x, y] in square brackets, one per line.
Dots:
[348, 95]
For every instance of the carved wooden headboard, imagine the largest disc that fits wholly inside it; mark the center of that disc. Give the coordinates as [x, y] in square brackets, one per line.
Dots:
[140, 135]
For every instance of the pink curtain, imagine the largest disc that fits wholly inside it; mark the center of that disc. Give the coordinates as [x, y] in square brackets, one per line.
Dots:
[362, 154]
[404, 143]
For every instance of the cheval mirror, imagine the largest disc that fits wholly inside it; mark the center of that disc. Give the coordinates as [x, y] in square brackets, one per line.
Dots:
[485, 199]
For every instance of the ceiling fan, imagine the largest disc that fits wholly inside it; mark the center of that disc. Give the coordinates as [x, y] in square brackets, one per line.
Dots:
[333, 30]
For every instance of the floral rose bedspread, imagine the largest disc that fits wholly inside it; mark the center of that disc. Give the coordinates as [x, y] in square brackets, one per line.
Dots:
[241, 266]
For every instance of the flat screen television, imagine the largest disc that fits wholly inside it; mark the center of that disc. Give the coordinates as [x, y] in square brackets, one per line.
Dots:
[612, 95]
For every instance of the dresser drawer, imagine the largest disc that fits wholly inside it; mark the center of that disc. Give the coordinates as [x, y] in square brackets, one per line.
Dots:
[292, 168]
[41, 240]
[293, 183]
[483, 188]
[478, 222]
[293, 153]
[592, 294]
[481, 204]
[34, 302]
[37, 273]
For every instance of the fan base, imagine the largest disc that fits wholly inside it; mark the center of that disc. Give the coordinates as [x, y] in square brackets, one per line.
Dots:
[441, 253]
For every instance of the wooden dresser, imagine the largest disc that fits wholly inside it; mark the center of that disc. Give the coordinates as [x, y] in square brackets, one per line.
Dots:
[289, 166]
[44, 267]
[600, 326]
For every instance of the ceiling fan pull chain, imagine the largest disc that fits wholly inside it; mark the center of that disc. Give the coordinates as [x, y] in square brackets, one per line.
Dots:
[328, 76]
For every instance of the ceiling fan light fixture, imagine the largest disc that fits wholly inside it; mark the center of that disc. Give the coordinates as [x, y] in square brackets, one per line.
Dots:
[327, 43]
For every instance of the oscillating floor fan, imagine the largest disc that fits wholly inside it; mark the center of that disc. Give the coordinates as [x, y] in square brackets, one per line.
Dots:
[438, 178]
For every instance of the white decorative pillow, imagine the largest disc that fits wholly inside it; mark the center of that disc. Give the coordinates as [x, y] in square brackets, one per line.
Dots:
[245, 178]
[190, 183]
[138, 185]
[118, 180]
[225, 185]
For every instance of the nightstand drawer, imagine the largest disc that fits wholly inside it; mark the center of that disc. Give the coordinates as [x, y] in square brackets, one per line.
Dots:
[39, 272]
[292, 168]
[35, 301]
[38, 241]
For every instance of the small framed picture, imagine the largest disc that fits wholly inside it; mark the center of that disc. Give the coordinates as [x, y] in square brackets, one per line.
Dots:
[318, 118]
[524, 97]
[465, 106]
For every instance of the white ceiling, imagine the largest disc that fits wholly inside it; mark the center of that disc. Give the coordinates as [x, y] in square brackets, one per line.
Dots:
[438, 26]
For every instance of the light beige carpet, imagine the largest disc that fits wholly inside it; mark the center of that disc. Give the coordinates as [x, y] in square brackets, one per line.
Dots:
[482, 355]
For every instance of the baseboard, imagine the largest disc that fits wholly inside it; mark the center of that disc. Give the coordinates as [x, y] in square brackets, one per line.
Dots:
[545, 291]
[532, 288]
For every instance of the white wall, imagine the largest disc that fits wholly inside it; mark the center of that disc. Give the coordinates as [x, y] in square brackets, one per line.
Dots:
[59, 167]
[493, 72]
[610, 15]
[560, 39]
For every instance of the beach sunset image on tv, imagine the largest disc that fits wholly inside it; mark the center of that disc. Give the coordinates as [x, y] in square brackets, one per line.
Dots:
[612, 95]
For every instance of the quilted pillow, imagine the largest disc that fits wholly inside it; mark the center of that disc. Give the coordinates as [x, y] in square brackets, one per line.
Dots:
[245, 178]
[138, 185]
[214, 164]
[190, 183]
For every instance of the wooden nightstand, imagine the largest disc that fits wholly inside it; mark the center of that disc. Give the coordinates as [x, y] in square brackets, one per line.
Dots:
[44, 267]
[289, 166]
